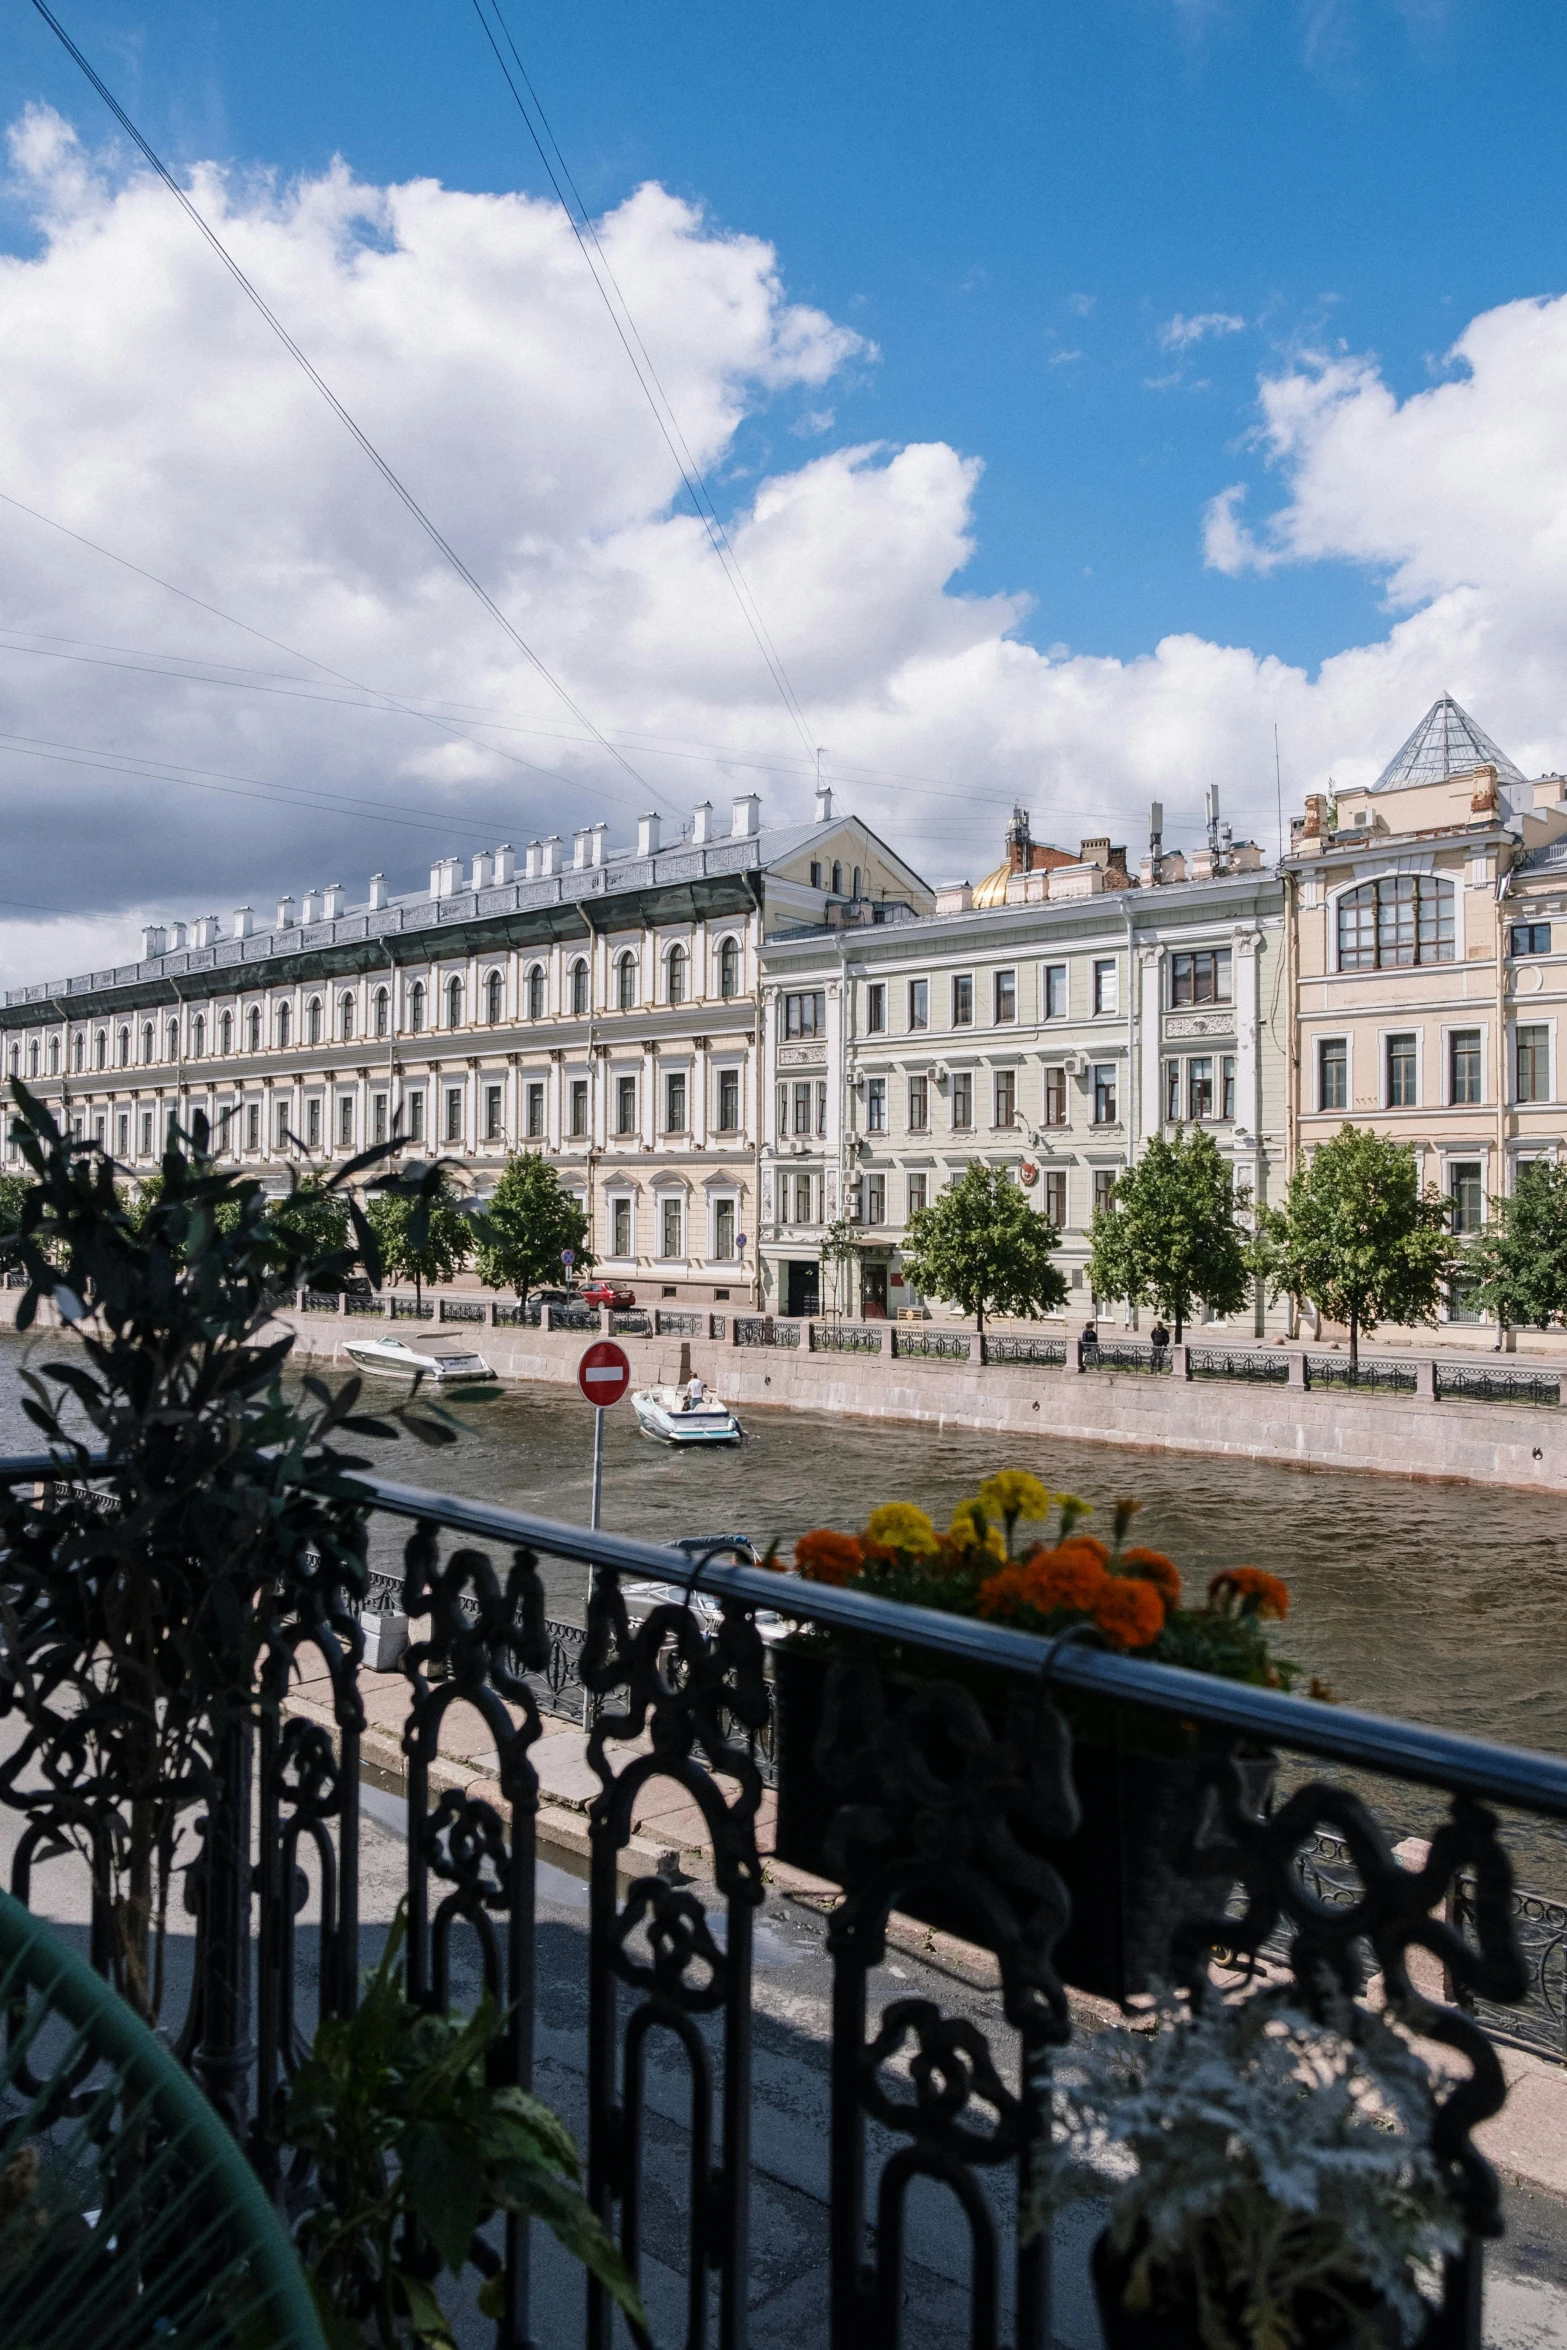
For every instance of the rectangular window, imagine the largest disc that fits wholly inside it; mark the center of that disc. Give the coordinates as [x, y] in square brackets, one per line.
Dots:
[1463, 1066]
[728, 1101]
[962, 1100]
[454, 1113]
[1468, 1197]
[1333, 1073]
[1055, 991]
[1534, 1065]
[1104, 1189]
[875, 1009]
[1055, 1097]
[875, 1199]
[1006, 998]
[821, 1106]
[724, 1230]
[1199, 1089]
[99, 1129]
[783, 1112]
[1201, 978]
[963, 1002]
[625, 1105]
[313, 1123]
[919, 1104]
[918, 1194]
[122, 1135]
[492, 1113]
[1104, 1093]
[802, 1108]
[1401, 1072]
[579, 1108]
[535, 1113]
[802, 1198]
[1530, 938]
[345, 1121]
[146, 1134]
[285, 1113]
[622, 1227]
[378, 1118]
[1054, 1200]
[1227, 1086]
[413, 1115]
[816, 873]
[669, 1227]
[805, 1015]
[876, 1105]
[1107, 993]
[1006, 1097]
[1172, 1093]
[675, 1102]
[919, 1003]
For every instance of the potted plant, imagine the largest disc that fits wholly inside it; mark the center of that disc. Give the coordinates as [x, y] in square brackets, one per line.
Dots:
[1136, 1864]
[1270, 2176]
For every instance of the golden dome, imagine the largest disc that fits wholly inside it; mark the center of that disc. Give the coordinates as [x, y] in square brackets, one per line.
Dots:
[992, 891]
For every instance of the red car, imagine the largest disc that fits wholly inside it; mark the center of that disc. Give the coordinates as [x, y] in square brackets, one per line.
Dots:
[608, 1293]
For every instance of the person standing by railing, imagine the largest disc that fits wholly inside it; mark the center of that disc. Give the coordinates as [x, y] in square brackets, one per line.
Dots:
[1159, 1340]
[1088, 1346]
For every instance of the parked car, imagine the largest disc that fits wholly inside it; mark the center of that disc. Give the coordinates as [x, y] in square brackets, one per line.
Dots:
[551, 1297]
[608, 1293]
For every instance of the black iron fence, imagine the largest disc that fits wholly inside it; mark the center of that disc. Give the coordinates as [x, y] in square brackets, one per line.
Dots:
[1499, 1386]
[847, 1338]
[1224, 1362]
[1339, 1371]
[1014, 1346]
[1123, 1354]
[765, 1330]
[953, 1346]
[464, 1309]
[924, 1793]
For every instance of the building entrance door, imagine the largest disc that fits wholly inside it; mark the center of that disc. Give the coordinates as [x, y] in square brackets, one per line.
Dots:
[804, 1291]
[873, 1292]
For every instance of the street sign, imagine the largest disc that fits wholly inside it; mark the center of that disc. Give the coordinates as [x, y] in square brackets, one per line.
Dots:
[568, 1256]
[604, 1373]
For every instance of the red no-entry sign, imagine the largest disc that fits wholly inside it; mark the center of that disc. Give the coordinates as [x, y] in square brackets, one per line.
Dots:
[604, 1373]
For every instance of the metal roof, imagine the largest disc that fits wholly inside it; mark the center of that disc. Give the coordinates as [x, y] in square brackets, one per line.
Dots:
[1446, 742]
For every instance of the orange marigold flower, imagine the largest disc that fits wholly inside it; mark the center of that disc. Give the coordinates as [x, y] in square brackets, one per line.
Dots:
[825, 1556]
[1071, 1575]
[1005, 1593]
[1251, 1591]
[1129, 1612]
[1153, 1567]
[1085, 1546]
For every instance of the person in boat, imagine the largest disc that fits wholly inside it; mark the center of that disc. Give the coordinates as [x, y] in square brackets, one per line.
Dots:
[693, 1394]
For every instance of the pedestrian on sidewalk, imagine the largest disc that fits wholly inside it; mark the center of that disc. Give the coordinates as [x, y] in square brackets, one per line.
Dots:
[1159, 1340]
[1088, 1345]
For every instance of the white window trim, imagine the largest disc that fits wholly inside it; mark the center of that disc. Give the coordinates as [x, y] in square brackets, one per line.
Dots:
[1387, 870]
[1548, 1023]
[725, 1194]
[1416, 1029]
[1112, 964]
[1314, 1043]
[1450, 1029]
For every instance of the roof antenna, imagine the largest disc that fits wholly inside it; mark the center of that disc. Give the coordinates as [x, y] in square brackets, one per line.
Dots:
[1278, 784]
[1155, 835]
[1211, 806]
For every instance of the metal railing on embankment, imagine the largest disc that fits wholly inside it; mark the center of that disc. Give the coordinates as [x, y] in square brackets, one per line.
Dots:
[927, 1763]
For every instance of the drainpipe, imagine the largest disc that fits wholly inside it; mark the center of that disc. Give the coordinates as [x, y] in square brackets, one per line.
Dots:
[1503, 885]
[759, 1074]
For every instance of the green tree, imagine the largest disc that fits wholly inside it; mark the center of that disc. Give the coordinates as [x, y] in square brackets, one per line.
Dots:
[1171, 1237]
[311, 1218]
[422, 1238]
[839, 1248]
[13, 1192]
[1519, 1263]
[530, 1222]
[981, 1245]
[1357, 1236]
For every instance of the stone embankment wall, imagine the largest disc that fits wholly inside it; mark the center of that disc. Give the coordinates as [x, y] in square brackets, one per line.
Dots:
[1396, 1435]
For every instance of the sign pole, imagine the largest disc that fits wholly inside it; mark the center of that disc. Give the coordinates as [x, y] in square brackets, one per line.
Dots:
[598, 1470]
[603, 1375]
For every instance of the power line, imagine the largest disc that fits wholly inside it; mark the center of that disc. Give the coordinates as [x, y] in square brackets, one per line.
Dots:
[363, 440]
[641, 361]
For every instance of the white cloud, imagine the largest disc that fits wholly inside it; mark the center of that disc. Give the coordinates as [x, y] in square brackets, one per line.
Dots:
[1064, 358]
[1179, 334]
[143, 405]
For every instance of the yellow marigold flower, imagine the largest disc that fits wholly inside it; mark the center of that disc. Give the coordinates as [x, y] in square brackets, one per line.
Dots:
[1015, 1493]
[972, 1527]
[901, 1526]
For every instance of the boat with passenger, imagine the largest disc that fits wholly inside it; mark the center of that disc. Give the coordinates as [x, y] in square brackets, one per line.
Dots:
[446, 1362]
[685, 1415]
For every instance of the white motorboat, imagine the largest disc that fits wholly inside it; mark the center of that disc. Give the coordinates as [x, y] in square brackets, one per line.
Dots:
[669, 1414]
[445, 1362]
[642, 1598]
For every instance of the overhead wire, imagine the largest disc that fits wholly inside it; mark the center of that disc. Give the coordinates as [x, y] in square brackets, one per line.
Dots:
[350, 424]
[642, 366]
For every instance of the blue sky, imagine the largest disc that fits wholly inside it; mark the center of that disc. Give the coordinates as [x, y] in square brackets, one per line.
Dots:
[1076, 245]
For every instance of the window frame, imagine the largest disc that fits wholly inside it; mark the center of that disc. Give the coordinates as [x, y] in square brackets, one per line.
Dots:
[1104, 1078]
[1200, 975]
[1457, 1039]
[876, 1007]
[919, 1006]
[1049, 1007]
[1394, 1042]
[1107, 987]
[1338, 1046]
[1004, 999]
[1540, 1029]
[1377, 907]
[962, 999]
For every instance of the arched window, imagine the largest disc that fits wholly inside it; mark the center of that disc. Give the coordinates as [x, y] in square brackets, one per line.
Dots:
[454, 1002]
[284, 1023]
[345, 1016]
[100, 1049]
[226, 1033]
[416, 1007]
[198, 1036]
[579, 988]
[494, 998]
[174, 1040]
[200, 1129]
[16, 1060]
[32, 1058]
[78, 1048]
[729, 967]
[313, 1020]
[837, 879]
[856, 881]
[54, 1056]
[383, 1012]
[123, 1048]
[536, 992]
[626, 982]
[255, 1028]
[146, 1040]
[1403, 918]
[677, 975]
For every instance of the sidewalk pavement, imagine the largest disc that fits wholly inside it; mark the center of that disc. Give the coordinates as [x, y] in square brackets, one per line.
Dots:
[1527, 2140]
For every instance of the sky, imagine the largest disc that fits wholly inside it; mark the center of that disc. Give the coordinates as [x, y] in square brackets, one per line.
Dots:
[1084, 394]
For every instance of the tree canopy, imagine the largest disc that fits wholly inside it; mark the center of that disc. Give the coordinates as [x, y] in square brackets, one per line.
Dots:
[1171, 1237]
[1358, 1237]
[982, 1245]
[423, 1238]
[531, 1220]
[1519, 1264]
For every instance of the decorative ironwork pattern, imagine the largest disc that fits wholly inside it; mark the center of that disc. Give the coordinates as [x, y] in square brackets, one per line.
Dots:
[1336, 1371]
[509, 1313]
[1223, 1362]
[671, 1325]
[318, 1301]
[354, 1304]
[1488, 1386]
[463, 1309]
[410, 1309]
[635, 1323]
[763, 1330]
[847, 1338]
[1012, 1346]
[1126, 1354]
[949, 1345]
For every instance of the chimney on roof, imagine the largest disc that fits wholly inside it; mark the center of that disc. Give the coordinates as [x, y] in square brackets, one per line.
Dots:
[597, 842]
[176, 937]
[285, 914]
[244, 921]
[824, 803]
[332, 905]
[533, 860]
[702, 823]
[483, 867]
[310, 911]
[747, 816]
[377, 892]
[505, 863]
[550, 854]
[647, 836]
[579, 848]
[154, 941]
[446, 877]
[208, 931]
[1095, 852]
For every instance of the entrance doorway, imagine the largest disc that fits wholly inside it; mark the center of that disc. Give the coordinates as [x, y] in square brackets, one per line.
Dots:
[873, 1292]
[803, 1289]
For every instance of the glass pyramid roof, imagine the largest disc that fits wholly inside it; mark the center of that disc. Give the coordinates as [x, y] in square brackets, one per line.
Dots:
[1446, 742]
